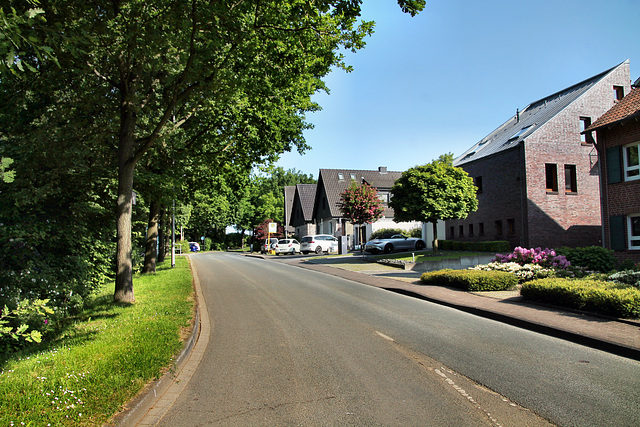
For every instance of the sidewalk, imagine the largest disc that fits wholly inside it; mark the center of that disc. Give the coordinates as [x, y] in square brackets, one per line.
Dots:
[618, 336]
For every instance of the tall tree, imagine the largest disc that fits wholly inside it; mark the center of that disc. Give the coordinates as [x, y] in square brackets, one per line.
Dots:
[361, 204]
[432, 192]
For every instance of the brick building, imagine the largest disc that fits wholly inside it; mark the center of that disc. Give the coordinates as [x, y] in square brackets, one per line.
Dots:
[537, 174]
[618, 143]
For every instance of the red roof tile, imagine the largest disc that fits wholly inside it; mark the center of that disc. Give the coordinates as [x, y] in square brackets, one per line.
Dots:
[627, 108]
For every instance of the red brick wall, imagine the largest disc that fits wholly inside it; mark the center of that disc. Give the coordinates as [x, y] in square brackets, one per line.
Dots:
[624, 197]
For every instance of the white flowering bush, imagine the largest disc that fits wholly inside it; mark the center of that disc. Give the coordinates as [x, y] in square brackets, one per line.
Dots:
[626, 277]
[523, 272]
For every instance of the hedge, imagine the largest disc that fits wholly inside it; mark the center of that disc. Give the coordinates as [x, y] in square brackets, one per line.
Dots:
[588, 295]
[471, 280]
[488, 246]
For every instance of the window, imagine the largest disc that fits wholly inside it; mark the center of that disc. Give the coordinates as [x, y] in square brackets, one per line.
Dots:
[340, 176]
[586, 138]
[481, 227]
[499, 228]
[470, 229]
[479, 183]
[353, 176]
[633, 231]
[461, 231]
[551, 175]
[631, 162]
[618, 92]
[511, 226]
[451, 232]
[570, 179]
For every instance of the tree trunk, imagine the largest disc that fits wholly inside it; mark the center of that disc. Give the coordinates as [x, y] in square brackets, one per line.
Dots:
[162, 236]
[435, 236]
[126, 167]
[151, 247]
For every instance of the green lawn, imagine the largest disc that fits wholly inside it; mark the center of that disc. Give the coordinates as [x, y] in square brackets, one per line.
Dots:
[104, 357]
[427, 256]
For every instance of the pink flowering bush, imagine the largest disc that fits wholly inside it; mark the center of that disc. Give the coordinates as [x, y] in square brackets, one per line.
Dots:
[543, 258]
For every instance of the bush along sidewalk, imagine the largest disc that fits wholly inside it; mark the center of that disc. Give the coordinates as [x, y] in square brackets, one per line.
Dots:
[103, 357]
[471, 280]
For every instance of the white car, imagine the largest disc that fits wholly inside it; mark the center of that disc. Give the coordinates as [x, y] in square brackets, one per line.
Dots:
[318, 243]
[287, 246]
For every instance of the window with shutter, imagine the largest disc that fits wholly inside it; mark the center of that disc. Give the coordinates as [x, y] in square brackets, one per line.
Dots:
[617, 235]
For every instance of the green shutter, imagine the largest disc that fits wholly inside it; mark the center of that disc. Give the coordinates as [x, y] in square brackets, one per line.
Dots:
[616, 232]
[614, 170]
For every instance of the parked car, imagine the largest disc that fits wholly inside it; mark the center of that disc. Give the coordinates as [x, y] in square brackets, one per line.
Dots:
[194, 246]
[318, 243]
[287, 246]
[268, 245]
[397, 242]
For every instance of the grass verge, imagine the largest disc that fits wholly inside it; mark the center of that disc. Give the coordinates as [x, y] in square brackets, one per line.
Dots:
[103, 357]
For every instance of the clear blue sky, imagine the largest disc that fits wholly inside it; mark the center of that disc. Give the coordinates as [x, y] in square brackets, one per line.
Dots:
[441, 81]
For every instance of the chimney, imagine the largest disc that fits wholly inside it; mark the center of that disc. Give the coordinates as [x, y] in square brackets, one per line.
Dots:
[382, 169]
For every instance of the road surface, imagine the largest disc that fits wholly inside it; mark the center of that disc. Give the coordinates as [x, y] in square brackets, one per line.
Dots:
[290, 346]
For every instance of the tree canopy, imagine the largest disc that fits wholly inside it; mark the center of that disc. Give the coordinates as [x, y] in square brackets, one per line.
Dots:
[432, 192]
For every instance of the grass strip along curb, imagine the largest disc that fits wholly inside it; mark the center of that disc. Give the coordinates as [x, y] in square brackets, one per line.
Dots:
[104, 357]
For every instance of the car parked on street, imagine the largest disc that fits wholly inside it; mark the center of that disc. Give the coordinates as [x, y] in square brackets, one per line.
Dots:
[287, 246]
[318, 243]
[268, 245]
[397, 242]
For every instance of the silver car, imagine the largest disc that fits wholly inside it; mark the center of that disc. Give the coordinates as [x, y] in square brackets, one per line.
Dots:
[318, 243]
[397, 242]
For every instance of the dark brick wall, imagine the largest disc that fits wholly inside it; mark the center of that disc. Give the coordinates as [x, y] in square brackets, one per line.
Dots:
[544, 219]
[624, 197]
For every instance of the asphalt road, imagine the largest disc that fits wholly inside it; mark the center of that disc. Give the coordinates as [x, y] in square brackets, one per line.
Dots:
[295, 347]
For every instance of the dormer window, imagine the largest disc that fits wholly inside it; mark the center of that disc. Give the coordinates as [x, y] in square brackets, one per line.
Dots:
[353, 176]
[618, 92]
[340, 176]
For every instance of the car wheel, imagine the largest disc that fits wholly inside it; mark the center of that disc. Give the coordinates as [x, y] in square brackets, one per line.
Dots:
[388, 248]
[419, 245]
[319, 250]
[293, 251]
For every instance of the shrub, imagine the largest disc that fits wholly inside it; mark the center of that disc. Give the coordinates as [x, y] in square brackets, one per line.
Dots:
[488, 246]
[545, 258]
[589, 295]
[385, 233]
[471, 280]
[627, 277]
[593, 258]
[523, 272]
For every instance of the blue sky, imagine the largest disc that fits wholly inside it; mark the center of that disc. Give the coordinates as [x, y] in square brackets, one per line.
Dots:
[441, 81]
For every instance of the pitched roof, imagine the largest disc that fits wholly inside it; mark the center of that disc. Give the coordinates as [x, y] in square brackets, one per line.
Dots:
[527, 121]
[307, 195]
[628, 108]
[289, 195]
[335, 181]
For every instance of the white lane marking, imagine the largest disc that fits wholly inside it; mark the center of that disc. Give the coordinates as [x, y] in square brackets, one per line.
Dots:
[385, 336]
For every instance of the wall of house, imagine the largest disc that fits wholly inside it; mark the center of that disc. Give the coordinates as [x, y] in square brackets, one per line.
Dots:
[566, 218]
[499, 215]
[621, 198]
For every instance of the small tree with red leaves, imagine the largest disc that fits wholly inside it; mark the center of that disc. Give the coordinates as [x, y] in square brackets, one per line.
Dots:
[361, 204]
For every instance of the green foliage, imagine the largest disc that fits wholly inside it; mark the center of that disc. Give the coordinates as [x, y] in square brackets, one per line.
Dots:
[102, 359]
[488, 246]
[6, 175]
[626, 277]
[471, 280]
[594, 258]
[15, 324]
[432, 192]
[385, 233]
[588, 295]
[361, 204]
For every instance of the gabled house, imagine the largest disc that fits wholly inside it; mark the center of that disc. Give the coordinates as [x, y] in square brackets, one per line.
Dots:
[618, 143]
[301, 215]
[289, 194]
[537, 175]
[326, 212]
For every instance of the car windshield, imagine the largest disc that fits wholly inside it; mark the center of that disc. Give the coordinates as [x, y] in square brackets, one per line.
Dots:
[307, 239]
[284, 242]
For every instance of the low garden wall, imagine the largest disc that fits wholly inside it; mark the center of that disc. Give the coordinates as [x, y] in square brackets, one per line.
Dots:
[461, 263]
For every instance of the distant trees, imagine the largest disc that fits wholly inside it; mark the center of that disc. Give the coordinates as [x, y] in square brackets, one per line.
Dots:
[361, 204]
[432, 192]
